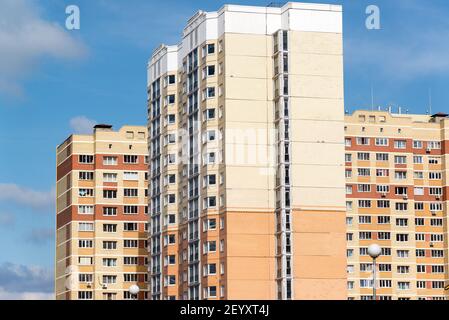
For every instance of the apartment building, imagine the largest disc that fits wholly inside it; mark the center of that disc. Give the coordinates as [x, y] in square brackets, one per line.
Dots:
[246, 144]
[102, 215]
[396, 189]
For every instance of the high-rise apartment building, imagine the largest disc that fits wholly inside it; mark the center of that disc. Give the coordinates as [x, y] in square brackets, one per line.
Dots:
[246, 144]
[102, 215]
[396, 188]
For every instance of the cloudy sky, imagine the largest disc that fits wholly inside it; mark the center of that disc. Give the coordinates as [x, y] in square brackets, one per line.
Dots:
[54, 82]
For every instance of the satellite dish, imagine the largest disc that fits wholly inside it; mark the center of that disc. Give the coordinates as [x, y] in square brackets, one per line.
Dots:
[134, 290]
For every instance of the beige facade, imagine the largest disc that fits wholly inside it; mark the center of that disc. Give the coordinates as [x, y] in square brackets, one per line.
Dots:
[102, 215]
[396, 178]
[251, 117]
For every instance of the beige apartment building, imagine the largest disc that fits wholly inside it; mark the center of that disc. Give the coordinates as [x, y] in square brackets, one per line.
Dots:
[396, 189]
[102, 215]
[246, 125]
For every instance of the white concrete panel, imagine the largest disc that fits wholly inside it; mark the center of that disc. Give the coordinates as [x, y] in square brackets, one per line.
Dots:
[316, 21]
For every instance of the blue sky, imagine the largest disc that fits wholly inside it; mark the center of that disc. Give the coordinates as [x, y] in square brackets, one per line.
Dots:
[54, 82]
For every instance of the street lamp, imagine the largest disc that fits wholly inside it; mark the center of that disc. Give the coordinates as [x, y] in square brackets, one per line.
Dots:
[134, 290]
[374, 252]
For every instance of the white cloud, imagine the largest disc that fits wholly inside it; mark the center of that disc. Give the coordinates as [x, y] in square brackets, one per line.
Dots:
[413, 42]
[20, 282]
[25, 38]
[7, 219]
[5, 295]
[82, 125]
[41, 236]
[41, 200]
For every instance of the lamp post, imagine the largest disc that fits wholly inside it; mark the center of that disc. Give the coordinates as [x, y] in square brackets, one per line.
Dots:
[134, 290]
[374, 252]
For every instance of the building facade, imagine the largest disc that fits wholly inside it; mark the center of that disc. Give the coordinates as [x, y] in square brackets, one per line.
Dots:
[246, 135]
[396, 188]
[102, 215]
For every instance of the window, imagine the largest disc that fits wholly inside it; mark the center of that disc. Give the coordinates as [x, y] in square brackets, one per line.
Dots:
[348, 157]
[83, 175]
[383, 204]
[85, 261]
[400, 144]
[382, 172]
[130, 277]
[170, 199]
[417, 144]
[381, 142]
[382, 156]
[400, 175]
[436, 206]
[110, 194]
[363, 156]
[86, 210]
[85, 159]
[85, 227]
[384, 235]
[85, 244]
[435, 191]
[130, 226]
[130, 243]
[171, 79]
[130, 261]
[209, 93]
[434, 145]
[130, 209]
[84, 193]
[401, 237]
[364, 219]
[403, 285]
[364, 188]
[131, 176]
[382, 188]
[363, 141]
[400, 160]
[348, 173]
[109, 211]
[109, 262]
[131, 193]
[383, 220]
[109, 245]
[362, 172]
[418, 175]
[419, 222]
[210, 202]
[365, 235]
[401, 206]
[130, 159]
[209, 114]
[110, 177]
[402, 222]
[85, 278]
[85, 295]
[210, 224]
[435, 175]
[211, 48]
[210, 246]
[418, 191]
[418, 159]
[434, 160]
[364, 203]
[107, 279]
[109, 228]
[348, 142]
[110, 161]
